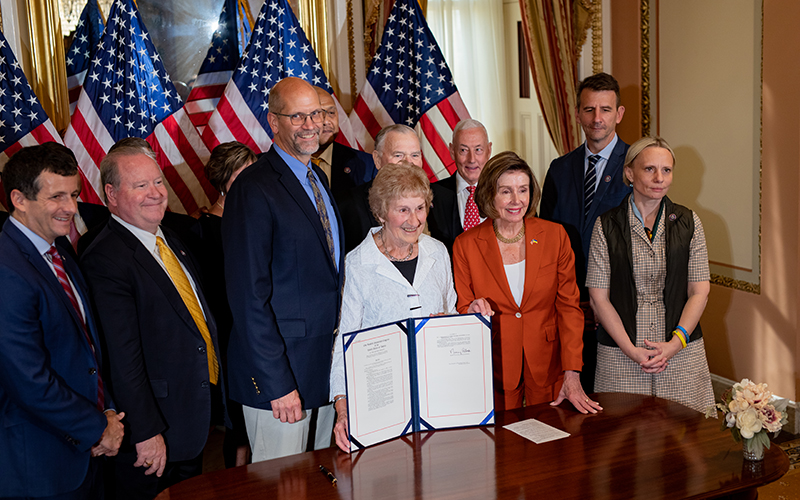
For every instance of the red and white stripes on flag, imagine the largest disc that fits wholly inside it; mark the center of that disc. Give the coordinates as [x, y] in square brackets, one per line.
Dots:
[409, 83]
[180, 151]
[128, 93]
[434, 128]
[278, 49]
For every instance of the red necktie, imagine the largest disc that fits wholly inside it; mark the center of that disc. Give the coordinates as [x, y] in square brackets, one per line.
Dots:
[471, 217]
[58, 265]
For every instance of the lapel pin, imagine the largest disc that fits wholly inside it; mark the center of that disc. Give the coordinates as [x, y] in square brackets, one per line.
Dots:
[347, 170]
[672, 217]
[183, 253]
[607, 178]
[534, 241]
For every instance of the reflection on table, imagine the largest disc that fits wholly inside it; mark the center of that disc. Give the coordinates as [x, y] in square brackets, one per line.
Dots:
[638, 447]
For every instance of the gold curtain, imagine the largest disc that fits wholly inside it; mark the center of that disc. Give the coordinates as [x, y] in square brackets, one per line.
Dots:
[48, 77]
[552, 30]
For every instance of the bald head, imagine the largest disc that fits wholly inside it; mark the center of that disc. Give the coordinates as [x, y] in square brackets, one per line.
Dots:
[396, 143]
[295, 117]
[330, 126]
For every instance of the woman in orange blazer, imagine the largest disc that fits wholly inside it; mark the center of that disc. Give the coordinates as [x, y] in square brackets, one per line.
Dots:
[525, 268]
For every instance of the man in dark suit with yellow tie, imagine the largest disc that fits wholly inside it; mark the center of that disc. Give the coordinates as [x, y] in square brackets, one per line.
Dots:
[52, 395]
[161, 337]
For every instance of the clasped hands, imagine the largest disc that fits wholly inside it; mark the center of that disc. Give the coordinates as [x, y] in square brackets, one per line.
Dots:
[654, 358]
[111, 439]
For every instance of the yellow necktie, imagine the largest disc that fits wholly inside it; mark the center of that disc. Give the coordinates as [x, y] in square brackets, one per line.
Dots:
[187, 294]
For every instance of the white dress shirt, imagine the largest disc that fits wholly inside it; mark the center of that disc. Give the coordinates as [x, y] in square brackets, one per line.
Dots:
[148, 239]
[462, 195]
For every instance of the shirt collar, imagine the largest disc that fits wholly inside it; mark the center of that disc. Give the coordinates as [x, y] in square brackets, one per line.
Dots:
[461, 184]
[604, 153]
[299, 168]
[42, 246]
[147, 238]
[327, 155]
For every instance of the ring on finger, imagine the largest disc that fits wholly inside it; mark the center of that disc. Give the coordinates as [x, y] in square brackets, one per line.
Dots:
[148, 464]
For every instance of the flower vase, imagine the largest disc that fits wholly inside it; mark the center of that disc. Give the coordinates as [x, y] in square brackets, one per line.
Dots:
[753, 450]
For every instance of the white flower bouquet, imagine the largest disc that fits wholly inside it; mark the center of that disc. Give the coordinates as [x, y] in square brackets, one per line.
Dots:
[751, 414]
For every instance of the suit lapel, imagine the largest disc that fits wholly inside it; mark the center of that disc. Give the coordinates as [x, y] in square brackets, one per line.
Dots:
[534, 243]
[290, 182]
[37, 261]
[148, 262]
[490, 252]
[451, 183]
[578, 166]
[613, 166]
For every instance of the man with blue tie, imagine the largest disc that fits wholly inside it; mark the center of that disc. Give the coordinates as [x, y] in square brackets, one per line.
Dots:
[284, 260]
[585, 183]
[52, 395]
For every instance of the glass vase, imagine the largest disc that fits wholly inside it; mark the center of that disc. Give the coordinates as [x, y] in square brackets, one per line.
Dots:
[753, 450]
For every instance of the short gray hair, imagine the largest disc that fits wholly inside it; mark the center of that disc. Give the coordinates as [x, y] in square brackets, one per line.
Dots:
[130, 146]
[468, 124]
[397, 127]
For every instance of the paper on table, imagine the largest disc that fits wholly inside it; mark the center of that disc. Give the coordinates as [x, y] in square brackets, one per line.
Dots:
[536, 431]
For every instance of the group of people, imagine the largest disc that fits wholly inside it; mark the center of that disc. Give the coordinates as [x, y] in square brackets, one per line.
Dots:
[162, 325]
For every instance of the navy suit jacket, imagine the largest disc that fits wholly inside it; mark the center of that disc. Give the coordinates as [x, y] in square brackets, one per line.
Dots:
[48, 381]
[284, 290]
[157, 355]
[444, 221]
[350, 168]
[562, 200]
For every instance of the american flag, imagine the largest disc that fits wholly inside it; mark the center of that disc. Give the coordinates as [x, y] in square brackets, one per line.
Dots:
[409, 82]
[278, 48]
[84, 41]
[229, 39]
[23, 121]
[128, 93]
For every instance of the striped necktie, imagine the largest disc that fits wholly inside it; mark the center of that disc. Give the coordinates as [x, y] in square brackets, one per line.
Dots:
[175, 271]
[61, 274]
[589, 182]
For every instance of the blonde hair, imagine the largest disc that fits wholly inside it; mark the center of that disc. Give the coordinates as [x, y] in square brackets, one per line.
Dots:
[637, 147]
[398, 180]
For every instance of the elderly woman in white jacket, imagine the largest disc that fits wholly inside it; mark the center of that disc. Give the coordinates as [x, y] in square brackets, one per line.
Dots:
[397, 272]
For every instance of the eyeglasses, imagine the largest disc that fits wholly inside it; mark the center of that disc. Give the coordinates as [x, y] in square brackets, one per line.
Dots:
[298, 119]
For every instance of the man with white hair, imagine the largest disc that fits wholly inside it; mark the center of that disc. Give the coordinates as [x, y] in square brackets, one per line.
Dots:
[393, 144]
[454, 210]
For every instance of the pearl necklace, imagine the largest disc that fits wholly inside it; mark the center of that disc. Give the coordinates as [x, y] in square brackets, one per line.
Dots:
[508, 241]
[389, 256]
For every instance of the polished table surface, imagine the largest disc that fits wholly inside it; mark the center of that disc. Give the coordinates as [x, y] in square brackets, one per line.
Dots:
[638, 447]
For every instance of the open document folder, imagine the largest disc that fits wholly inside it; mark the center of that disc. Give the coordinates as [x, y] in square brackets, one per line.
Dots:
[418, 374]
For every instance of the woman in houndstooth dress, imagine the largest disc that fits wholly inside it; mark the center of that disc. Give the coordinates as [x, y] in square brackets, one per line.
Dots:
[652, 360]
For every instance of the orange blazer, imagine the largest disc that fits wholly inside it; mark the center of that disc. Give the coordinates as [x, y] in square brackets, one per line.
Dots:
[547, 328]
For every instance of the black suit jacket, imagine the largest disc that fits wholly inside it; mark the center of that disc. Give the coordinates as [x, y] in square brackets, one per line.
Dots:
[349, 168]
[357, 217]
[48, 379]
[157, 355]
[283, 287]
[444, 221]
[562, 200]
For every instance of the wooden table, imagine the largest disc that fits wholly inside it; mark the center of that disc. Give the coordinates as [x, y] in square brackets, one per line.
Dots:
[638, 447]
